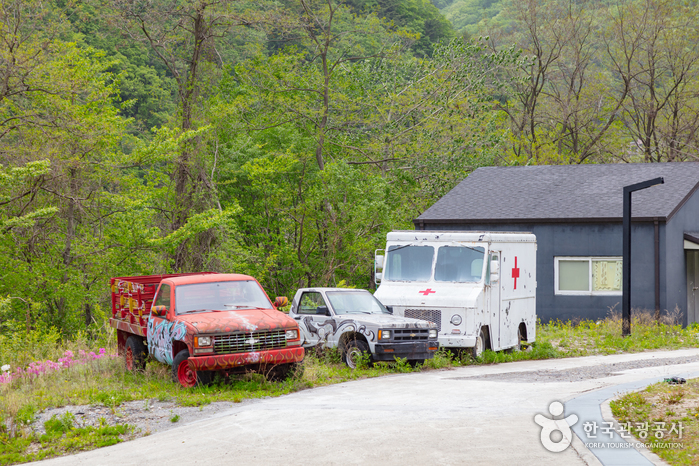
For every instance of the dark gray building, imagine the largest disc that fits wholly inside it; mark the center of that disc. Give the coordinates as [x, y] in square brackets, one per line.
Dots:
[575, 211]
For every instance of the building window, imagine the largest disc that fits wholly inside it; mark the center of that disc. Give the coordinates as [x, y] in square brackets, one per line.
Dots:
[588, 275]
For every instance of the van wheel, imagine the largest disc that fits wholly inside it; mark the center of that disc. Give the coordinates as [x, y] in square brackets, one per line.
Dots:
[354, 353]
[185, 375]
[134, 354]
[479, 347]
[518, 346]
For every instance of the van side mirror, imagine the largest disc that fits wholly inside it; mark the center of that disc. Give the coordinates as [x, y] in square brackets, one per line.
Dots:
[322, 311]
[158, 311]
[378, 266]
[281, 301]
[494, 271]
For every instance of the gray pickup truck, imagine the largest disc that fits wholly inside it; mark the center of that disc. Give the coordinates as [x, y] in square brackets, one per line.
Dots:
[355, 322]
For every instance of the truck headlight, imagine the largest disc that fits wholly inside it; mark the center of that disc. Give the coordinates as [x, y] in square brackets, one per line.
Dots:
[433, 333]
[455, 319]
[384, 334]
[202, 341]
[291, 335]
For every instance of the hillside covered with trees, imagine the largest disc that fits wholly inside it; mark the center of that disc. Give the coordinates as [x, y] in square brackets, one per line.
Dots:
[284, 139]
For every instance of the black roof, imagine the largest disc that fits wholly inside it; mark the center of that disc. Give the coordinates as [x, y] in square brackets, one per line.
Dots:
[565, 193]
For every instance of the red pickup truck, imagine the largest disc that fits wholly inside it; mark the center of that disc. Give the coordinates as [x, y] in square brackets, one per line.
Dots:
[202, 323]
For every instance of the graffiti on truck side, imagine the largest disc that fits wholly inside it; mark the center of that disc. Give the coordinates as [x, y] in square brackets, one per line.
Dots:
[161, 335]
[330, 328]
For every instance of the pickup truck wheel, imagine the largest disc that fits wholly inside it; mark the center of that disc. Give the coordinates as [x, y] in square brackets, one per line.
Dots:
[354, 353]
[479, 347]
[184, 374]
[134, 354]
[281, 372]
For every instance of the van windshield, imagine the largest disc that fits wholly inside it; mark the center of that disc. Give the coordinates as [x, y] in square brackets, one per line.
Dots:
[409, 263]
[459, 264]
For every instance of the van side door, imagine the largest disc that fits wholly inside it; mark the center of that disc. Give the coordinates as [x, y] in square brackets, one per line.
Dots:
[493, 298]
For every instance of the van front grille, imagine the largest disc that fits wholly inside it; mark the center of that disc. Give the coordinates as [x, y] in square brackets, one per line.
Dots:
[248, 342]
[430, 315]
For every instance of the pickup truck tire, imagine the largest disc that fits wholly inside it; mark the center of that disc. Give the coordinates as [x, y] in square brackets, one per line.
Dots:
[479, 347]
[134, 354]
[185, 375]
[354, 352]
[281, 372]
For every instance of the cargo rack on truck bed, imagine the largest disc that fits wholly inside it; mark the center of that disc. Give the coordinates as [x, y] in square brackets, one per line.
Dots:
[132, 298]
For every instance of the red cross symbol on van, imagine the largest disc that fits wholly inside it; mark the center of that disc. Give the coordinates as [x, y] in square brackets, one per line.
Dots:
[427, 291]
[515, 272]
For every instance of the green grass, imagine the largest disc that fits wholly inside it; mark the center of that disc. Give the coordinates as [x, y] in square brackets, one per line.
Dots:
[671, 404]
[604, 336]
[61, 437]
[104, 382]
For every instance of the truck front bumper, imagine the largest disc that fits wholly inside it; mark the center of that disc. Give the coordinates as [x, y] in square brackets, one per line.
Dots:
[409, 350]
[457, 341]
[215, 362]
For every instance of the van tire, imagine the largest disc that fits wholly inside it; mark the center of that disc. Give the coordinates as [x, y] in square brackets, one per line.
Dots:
[481, 344]
[518, 345]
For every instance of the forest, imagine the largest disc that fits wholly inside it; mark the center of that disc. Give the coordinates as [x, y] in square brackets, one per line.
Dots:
[284, 139]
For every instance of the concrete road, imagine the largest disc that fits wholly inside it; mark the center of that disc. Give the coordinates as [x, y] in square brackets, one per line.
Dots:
[471, 415]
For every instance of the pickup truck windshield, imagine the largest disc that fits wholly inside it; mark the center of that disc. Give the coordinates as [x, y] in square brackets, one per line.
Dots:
[409, 263]
[352, 302]
[220, 296]
[459, 264]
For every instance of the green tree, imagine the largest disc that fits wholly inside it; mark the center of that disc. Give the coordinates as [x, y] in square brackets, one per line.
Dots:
[183, 36]
[57, 106]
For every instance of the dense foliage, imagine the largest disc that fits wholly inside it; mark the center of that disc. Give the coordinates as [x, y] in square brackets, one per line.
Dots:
[284, 139]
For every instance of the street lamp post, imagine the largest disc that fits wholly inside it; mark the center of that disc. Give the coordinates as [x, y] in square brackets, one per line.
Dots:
[626, 259]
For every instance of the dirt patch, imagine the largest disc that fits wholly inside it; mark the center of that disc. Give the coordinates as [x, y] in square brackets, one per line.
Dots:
[147, 416]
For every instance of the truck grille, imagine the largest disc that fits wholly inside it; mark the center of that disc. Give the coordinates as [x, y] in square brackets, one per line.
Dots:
[410, 334]
[430, 315]
[247, 342]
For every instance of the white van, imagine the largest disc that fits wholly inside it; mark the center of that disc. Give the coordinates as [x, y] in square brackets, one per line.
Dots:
[478, 287]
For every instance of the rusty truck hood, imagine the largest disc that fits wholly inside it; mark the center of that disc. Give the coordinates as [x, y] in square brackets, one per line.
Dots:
[251, 320]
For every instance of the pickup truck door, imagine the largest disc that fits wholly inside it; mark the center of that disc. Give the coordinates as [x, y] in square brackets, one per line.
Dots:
[313, 319]
[159, 335]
